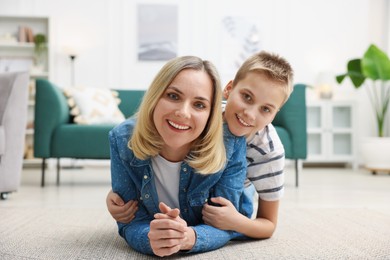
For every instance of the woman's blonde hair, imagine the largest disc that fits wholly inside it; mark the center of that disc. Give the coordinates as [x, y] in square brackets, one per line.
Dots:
[208, 151]
[273, 66]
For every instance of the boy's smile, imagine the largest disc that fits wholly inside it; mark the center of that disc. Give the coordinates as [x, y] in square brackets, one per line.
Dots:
[242, 121]
[252, 103]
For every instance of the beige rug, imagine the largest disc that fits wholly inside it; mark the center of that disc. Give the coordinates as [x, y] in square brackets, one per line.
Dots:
[91, 234]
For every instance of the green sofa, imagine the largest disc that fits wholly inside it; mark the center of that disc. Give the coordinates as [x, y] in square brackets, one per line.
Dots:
[56, 136]
[290, 123]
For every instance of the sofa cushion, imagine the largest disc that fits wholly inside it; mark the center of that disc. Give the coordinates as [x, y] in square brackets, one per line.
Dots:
[94, 105]
[81, 141]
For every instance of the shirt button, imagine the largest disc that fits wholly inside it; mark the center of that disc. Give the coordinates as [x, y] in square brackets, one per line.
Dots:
[184, 190]
[145, 177]
[186, 210]
[146, 196]
[184, 169]
[205, 200]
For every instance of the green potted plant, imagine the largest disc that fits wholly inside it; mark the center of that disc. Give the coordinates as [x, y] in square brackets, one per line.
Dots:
[373, 72]
[39, 50]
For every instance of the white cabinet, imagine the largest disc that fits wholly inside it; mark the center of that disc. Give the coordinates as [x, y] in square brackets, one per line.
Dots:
[331, 131]
[17, 52]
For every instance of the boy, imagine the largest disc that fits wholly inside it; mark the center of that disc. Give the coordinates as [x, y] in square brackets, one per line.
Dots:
[260, 88]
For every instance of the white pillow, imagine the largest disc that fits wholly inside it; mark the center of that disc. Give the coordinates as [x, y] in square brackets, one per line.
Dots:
[94, 105]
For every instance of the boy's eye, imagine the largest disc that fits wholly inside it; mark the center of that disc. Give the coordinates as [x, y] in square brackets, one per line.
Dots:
[246, 97]
[266, 109]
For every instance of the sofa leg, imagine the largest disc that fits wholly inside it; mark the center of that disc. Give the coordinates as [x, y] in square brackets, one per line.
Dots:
[58, 171]
[43, 172]
[296, 173]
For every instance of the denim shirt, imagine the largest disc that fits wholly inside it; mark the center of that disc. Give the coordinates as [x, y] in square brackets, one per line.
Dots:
[133, 179]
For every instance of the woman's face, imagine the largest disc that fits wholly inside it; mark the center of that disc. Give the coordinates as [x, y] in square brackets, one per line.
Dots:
[181, 114]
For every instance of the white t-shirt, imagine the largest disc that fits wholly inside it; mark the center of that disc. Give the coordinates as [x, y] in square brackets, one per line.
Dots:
[167, 178]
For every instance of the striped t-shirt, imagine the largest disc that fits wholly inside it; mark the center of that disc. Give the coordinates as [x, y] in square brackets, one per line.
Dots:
[265, 157]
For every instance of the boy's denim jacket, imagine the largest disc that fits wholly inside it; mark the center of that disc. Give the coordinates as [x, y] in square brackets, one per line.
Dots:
[133, 179]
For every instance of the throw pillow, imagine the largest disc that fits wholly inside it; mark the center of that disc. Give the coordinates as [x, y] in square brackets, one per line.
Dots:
[94, 105]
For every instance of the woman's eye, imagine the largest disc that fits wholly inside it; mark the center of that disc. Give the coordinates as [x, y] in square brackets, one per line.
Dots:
[173, 96]
[200, 105]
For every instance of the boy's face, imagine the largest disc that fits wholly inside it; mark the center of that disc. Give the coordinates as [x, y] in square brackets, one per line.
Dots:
[252, 103]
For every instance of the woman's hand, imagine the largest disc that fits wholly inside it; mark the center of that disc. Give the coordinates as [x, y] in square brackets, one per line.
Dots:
[120, 211]
[224, 217]
[174, 214]
[169, 232]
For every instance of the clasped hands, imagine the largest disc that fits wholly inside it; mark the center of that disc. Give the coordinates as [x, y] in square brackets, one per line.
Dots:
[169, 233]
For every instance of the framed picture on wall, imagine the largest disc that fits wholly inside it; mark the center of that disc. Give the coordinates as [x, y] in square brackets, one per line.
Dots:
[157, 32]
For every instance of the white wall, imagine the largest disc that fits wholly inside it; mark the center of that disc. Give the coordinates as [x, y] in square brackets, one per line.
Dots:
[317, 37]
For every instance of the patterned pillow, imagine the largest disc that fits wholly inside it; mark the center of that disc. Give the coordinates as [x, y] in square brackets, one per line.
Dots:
[94, 105]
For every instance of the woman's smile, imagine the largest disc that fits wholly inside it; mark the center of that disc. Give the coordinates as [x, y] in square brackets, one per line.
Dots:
[178, 126]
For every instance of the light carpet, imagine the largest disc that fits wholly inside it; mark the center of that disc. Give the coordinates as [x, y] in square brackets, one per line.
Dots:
[92, 234]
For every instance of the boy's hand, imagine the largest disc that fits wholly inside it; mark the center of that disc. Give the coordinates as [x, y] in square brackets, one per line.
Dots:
[225, 217]
[120, 211]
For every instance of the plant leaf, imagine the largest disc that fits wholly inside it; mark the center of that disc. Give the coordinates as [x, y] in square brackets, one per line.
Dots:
[376, 64]
[340, 78]
[355, 72]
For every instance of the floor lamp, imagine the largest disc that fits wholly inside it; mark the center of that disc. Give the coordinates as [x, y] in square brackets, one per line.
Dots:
[71, 52]
[72, 74]
[73, 165]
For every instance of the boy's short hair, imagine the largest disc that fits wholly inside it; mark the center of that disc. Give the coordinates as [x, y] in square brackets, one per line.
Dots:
[272, 65]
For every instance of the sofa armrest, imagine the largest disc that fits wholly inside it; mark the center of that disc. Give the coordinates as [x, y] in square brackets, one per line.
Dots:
[292, 117]
[51, 110]
[130, 101]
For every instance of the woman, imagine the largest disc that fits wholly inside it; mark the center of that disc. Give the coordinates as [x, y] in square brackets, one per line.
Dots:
[176, 155]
